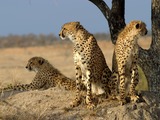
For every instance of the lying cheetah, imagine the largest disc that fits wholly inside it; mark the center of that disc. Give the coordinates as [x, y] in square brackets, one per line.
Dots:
[126, 54]
[90, 65]
[46, 76]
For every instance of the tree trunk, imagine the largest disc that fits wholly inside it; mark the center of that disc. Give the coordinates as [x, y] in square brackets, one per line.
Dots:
[149, 60]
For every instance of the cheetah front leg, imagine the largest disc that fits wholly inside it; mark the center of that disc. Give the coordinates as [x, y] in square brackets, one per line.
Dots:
[113, 85]
[77, 100]
[134, 82]
[121, 72]
[89, 101]
[106, 81]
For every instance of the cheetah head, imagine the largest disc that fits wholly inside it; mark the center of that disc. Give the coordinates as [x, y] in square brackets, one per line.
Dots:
[69, 30]
[138, 28]
[35, 63]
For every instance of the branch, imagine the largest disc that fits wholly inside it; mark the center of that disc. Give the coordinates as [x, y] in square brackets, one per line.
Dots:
[103, 7]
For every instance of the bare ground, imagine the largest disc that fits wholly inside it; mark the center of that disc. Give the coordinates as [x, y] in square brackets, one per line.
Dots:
[53, 104]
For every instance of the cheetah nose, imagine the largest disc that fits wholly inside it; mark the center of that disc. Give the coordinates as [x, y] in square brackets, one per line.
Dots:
[59, 34]
[26, 67]
[146, 32]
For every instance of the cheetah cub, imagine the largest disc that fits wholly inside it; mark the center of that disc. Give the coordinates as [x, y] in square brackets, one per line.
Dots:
[46, 76]
[90, 65]
[126, 53]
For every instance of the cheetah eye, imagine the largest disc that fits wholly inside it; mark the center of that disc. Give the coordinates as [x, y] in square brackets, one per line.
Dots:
[31, 63]
[41, 62]
[64, 29]
[137, 26]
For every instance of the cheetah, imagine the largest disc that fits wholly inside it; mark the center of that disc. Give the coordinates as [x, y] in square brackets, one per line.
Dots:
[46, 76]
[126, 55]
[90, 65]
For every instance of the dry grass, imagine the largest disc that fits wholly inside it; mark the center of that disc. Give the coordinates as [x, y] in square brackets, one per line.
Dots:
[40, 105]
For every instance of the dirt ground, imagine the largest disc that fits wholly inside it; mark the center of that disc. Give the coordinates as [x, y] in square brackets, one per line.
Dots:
[51, 104]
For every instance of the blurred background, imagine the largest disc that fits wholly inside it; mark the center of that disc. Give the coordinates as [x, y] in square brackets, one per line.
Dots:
[23, 17]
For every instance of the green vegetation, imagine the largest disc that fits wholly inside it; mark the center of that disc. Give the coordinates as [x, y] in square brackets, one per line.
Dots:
[143, 84]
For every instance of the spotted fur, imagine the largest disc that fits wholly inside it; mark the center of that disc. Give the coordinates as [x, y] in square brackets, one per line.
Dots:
[126, 55]
[46, 76]
[90, 65]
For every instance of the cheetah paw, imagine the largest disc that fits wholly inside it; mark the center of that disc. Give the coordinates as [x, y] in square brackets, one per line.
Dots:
[90, 106]
[74, 103]
[122, 101]
[134, 98]
[113, 97]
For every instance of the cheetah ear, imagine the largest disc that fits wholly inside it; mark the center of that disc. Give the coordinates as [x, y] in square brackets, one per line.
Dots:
[137, 26]
[41, 61]
[77, 24]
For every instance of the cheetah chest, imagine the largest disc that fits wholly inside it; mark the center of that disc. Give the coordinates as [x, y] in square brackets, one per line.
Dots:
[96, 87]
[78, 61]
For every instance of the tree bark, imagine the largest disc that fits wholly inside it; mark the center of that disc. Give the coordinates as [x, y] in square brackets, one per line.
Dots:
[149, 60]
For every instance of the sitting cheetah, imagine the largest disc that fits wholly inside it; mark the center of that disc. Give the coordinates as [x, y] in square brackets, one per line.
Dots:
[46, 76]
[126, 55]
[90, 65]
